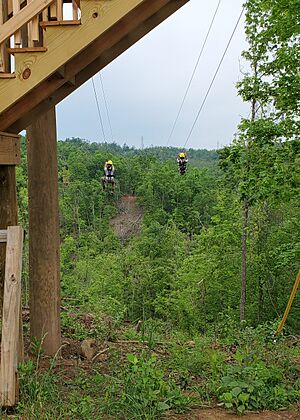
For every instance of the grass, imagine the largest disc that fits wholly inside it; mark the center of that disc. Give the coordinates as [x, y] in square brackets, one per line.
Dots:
[155, 373]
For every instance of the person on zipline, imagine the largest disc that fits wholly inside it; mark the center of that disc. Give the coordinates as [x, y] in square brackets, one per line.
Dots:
[108, 177]
[182, 161]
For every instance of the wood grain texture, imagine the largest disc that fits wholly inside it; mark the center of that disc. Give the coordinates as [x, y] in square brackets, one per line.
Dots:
[4, 56]
[25, 15]
[7, 75]
[63, 43]
[3, 235]
[60, 23]
[26, 50]
[8, 213]
[110, 44]
[11, 317]
[44, 261]
[103, 60]
[9, 150]
[16, 9]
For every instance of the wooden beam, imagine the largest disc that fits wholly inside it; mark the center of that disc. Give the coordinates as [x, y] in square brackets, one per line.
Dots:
[44, 243]
[63, 43]
[4, 56]
[26, 50]
[10, 153]
[8, 213]
[7, 76]
[3, 235]
[138, 23]
[11, 317]
[60, 23]
[24, 16]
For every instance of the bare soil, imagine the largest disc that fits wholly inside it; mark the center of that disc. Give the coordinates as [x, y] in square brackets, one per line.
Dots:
[71, 363]
[219, 414]
[128, 222]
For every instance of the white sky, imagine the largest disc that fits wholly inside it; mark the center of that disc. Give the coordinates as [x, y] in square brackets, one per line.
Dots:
[146, 84]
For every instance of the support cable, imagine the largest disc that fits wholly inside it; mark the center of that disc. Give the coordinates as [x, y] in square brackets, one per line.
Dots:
[106, 107]
[214, 78]
[194, 72]
[98, 108]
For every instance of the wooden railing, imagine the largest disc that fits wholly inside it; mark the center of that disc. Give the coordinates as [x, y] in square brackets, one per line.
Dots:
[20, 24]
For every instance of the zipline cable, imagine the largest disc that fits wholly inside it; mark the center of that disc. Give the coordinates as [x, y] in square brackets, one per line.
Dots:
[98, 108]
[194, 72]
[214, 78]
[106, 106]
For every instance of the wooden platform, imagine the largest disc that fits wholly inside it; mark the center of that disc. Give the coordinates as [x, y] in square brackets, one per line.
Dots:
[107, 29]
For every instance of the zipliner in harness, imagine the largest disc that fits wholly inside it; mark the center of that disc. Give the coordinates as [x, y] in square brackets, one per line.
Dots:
[182, 163]
[108, 177]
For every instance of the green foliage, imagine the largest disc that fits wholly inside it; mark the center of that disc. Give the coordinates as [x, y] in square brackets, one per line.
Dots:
[180, 275]
[255, 387]
[146, 393]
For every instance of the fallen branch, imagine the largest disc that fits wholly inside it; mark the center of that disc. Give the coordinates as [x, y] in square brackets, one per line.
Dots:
[99, 354]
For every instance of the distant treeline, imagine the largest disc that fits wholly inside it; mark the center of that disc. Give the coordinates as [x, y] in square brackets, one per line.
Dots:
[197, 157]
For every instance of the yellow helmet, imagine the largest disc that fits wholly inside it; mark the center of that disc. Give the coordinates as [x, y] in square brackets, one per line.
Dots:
[182, 155]
[109, 162]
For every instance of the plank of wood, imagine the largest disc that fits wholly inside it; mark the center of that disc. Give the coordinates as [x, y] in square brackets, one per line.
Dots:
[10, 153]
[30, 30]
[8, 214]
[75, 10]
[35, 29]
[53, 10]
[44, 243]
[3, 235]
[111, 43]
[26, 50]
[59, 9]
[45, 14]
[11, 316]
[15, 136]
[24, 16]
[2, 46]
[5, 58]
[64, 43]
[60, 23]
[16, 9]
[7, 75]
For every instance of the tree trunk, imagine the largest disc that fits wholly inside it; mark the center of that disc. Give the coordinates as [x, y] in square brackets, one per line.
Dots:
[244, 261]
[44, 261]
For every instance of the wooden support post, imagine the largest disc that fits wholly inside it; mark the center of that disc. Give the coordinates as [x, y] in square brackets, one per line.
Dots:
[9, 158]
[44, 261]
[4, 56]
[11, 317]
[9, 148]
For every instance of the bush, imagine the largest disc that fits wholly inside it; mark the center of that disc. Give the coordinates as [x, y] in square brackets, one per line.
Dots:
[146, 393]
[255, 387]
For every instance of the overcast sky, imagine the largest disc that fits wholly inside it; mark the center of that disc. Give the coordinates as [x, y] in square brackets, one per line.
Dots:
[145, 85]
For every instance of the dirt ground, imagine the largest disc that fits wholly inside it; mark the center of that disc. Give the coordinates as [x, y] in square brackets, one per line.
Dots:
[72, 362]
[219, 414]
[129, 219]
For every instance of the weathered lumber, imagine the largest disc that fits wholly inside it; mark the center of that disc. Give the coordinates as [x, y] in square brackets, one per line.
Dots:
[84, 65]
[11, 317]
[8, 213]
[8, 207]
[9, 149]
[3, 236]
[25, 15]
[44, 261]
